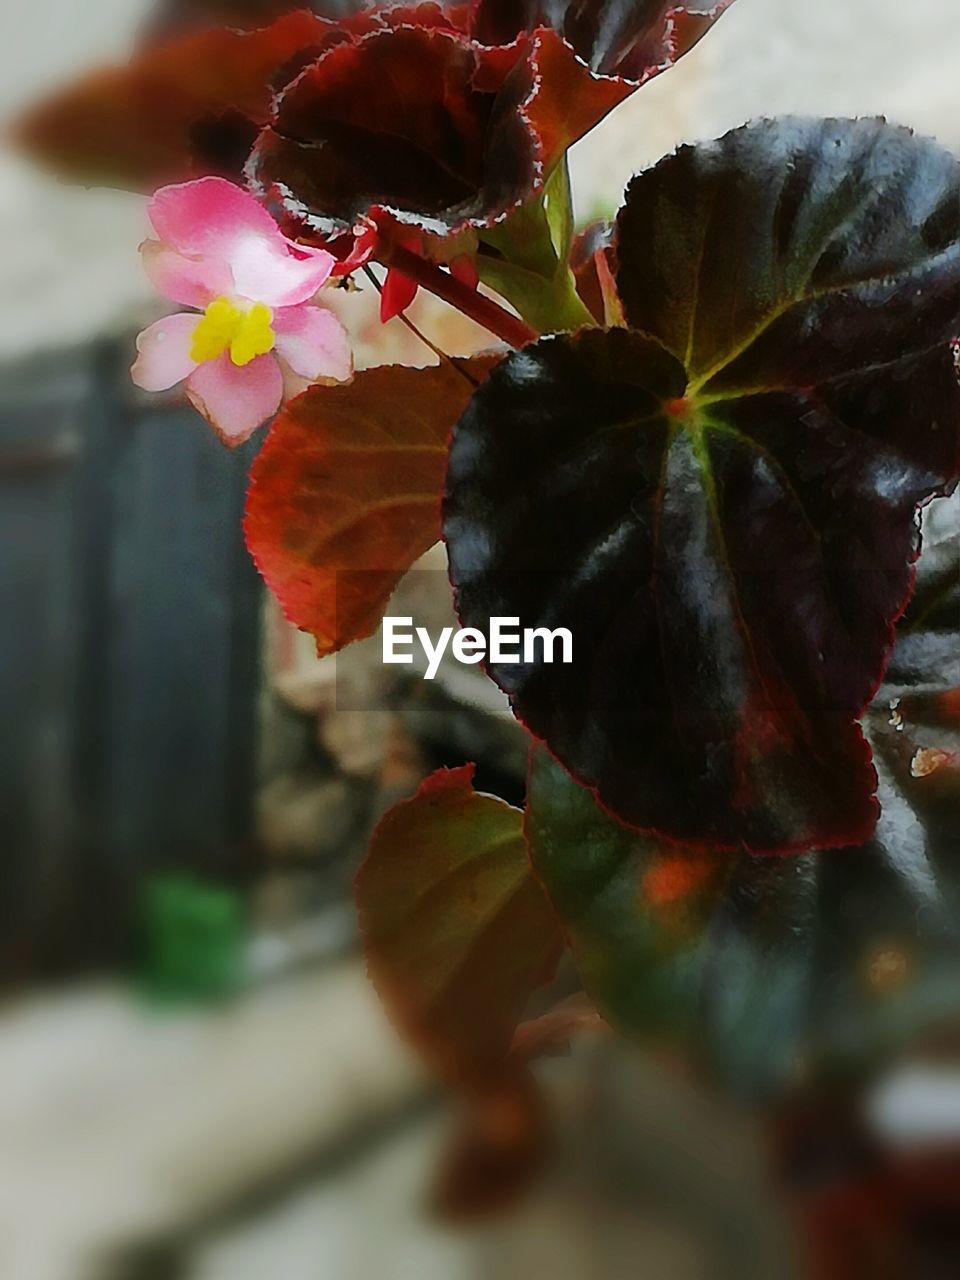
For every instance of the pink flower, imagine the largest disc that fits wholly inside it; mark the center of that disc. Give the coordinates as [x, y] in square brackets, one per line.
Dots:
[221, 252]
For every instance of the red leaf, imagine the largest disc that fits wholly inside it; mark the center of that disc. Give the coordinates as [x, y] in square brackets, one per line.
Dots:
[457, 931]
[404, 121]
[345, 493]
[629, 39]
[403, 114]
[183, 108]
[591, 261]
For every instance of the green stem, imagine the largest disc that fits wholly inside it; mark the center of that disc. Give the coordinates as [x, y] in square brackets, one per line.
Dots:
[548, 304]
[527, 259]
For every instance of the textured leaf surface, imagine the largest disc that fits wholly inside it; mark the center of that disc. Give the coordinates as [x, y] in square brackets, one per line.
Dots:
[633, 39]
[723, 513]
[417, 113]
[777, 969]
[433, 127]
[400, 121]
[457, 931]
[423, 126]
[767, 968]
[345, 493]
[195, 95]
[177, 15]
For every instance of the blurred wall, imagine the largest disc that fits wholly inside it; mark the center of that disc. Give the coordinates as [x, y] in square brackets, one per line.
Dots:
[775, 57]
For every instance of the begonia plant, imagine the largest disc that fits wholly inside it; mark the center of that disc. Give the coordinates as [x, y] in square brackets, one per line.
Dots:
[700, 441]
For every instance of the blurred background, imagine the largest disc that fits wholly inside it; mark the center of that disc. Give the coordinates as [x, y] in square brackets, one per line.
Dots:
[195, 1077]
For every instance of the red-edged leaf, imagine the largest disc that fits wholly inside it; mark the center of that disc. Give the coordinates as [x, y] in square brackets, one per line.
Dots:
[630, 39]
[457, 931]
[767, 968]
[345, 493]
[724, 513]
[256, 13]
[194, 96]
[591, 261]
[759, 967]
[427, 127]
[402, 116]
[179, 15]
[400, 122]
[182, 108]
[174, 16]
[559, 96]
[764, 967]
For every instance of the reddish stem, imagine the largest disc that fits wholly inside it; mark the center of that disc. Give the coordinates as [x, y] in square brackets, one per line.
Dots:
[471, 302]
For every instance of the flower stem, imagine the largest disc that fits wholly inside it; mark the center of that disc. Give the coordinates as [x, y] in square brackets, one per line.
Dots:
[404, 319]
[471, 302]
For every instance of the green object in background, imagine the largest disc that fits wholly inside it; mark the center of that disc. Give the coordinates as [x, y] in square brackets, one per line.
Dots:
[194, 939]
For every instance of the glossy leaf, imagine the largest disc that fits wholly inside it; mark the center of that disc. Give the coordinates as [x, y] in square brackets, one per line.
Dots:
[398, 122]
[457, 931]
[345, 493]
[723, 513]
[452, 134]
[632, 39]
[773, 970]
[779, 970]
[454, 128]
[457, 123]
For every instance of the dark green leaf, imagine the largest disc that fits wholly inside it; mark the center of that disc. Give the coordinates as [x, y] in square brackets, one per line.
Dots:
[767, 968]
[724, 513]
[770, 967]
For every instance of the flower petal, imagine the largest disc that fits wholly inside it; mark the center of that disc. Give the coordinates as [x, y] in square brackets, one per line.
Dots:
[193, 281]
[236, 399]
[212, 218]
[397, 294]
[163, 349]
[313, 342]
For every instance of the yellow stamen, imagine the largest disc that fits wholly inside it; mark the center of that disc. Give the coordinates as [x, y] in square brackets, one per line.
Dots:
[254, 336]
[215, 331]
[245, 333]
